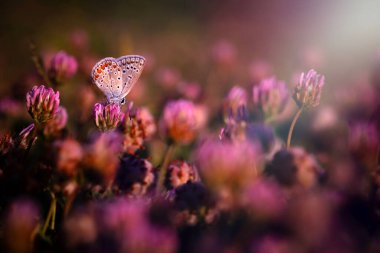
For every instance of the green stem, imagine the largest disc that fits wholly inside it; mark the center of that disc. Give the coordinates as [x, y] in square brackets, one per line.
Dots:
[292, 126]
[51, 215]
[163, 168]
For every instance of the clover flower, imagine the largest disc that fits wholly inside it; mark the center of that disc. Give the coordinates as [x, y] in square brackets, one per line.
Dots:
[57, 123]
[227, 166]
[235, 105]
[134, 175]
[62, 66]
[102, 155]
[69, 155]
[137, 127]
[270, 96]
[42, 103]
[107, 117]
[180, 121]
[307, 93]
[179, 173]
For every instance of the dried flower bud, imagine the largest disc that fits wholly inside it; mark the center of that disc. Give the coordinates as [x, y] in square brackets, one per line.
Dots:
[180, 121]
[134, 176]
[307, 93]
[137, 127]
[42, 103]
[57, 123]
[6, 143]
[107, 117]
[270, 96]
[62, 66]
[179, 173]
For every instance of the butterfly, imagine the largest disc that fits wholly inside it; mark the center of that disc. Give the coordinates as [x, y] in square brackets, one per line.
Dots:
[116, 77]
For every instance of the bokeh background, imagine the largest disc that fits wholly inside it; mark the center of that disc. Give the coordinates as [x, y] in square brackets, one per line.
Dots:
[339, 38]
[201, 48]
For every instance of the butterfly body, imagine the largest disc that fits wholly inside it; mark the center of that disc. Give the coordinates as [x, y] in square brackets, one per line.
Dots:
[116, 77]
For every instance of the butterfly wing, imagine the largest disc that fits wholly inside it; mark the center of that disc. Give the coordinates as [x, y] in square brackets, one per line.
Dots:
[107, 75]
[131, 66]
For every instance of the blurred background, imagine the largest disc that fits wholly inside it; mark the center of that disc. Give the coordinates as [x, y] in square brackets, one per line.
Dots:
[189, 41]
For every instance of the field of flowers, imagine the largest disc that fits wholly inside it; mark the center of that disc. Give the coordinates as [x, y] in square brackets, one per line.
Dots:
[225, 143]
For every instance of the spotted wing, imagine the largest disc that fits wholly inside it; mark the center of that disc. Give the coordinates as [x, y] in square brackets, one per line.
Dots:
[107, 75]
[131, 66]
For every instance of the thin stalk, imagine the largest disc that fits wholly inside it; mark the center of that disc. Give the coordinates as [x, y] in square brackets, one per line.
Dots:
[292, 126]
[51, 215]
[54, 212]
[163, 168]
[38, 63]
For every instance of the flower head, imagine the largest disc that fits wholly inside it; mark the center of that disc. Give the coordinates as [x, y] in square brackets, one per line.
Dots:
[235, 105]
[107, 117]
[307, 93]
[57, 123]
[62, 66]
[102, 155]
[42, 103]
[224, 53]
[179, 173]
[180, 121]
[227, 165]
[137, 127]
[69, 154]
[134, 176]
[270, 96]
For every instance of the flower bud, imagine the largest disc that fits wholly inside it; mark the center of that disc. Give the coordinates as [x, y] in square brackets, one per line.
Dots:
[179, 173]
[180, 121]
[270, 96]
[137, 127]
[107, 117]
[307, 93]
[62, 66]
[42, 103]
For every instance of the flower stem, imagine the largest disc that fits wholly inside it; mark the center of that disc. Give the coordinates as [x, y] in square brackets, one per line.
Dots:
[38, 63]
[292, 126]
[163, 168]
[51, 215]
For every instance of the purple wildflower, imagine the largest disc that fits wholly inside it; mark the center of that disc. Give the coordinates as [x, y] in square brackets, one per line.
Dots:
[57, 123]
[180, 121]
[270, 96]
[179, 173]
[235, 105]
[42, 103]
[307, 93]
[62, 66]
[107, 117]
[137, 127]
